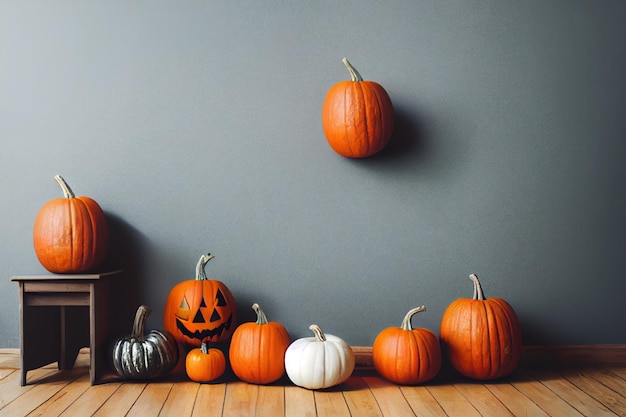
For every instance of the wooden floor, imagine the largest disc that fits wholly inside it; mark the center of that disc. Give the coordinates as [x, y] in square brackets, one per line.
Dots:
[589, 391]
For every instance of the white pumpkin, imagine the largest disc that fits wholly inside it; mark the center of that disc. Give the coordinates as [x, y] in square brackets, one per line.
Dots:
[319, 362]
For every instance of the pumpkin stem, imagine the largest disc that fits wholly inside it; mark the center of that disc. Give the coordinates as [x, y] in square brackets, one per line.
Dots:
[204, 348]
[200, 272]
[67, 191]
[406, 322]
[319, 334]
[354, 74]
[260, 315]
[139, 325]
[478, 290]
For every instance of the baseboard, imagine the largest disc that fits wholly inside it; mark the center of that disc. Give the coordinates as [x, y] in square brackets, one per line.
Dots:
[537, 354]
[533, 354]
[576, 354]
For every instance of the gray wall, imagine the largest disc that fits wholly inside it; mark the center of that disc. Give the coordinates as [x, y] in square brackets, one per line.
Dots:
[196, 126]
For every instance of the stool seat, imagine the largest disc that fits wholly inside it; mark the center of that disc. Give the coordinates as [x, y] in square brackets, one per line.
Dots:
[62, 313]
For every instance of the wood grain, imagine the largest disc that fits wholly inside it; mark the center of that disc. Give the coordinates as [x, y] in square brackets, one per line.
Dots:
[531, 391]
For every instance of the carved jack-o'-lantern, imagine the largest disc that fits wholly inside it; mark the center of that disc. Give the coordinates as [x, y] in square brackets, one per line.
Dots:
[200, 310]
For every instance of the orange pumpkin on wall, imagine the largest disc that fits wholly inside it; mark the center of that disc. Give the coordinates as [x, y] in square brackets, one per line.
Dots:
[481, 337]
[357, 116]
[70, 234]
[200, 310]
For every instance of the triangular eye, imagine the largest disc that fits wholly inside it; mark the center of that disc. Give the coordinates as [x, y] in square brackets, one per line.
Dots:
[215, 316]
[199, 318]
[220, 300]
[202, 303]
[183, 310]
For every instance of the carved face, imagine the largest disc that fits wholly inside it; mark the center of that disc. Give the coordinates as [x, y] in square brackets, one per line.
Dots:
[199, 311]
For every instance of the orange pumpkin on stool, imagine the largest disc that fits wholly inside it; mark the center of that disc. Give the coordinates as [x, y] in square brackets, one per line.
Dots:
[71, 234]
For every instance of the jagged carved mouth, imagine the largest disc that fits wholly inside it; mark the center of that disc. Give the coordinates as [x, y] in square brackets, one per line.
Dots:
[205, 334]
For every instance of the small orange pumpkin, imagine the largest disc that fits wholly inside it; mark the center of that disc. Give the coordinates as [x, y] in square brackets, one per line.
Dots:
[357, 116]
[482, 337]
[405, 355]
[200, 310]
[205, 364]
[70, 234]
[257, 350]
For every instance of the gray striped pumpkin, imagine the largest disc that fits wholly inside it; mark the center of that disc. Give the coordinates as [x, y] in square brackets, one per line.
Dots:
[145, 356]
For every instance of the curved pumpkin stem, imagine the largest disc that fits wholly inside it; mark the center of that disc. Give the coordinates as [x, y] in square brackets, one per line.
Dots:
[204, 348]
[260, 315]
[354, 74]
[67, 191]
[319, 334]
[139, 325]
[478, 290]
[406, 322]
[200, 272]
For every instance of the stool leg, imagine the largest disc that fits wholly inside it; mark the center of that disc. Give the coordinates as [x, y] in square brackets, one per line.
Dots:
[74, 334]
[99, 326]
[40, 344]
[23, 373]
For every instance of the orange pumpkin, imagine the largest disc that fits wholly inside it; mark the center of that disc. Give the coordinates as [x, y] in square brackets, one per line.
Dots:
[257, 350]
[357, 116]
[70, 234]
[481, 337]
[405, 355]
[200, 310]
[205, 364]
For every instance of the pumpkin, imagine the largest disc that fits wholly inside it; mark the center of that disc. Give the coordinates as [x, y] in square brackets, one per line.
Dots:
[357, 116]
[405, 355]
[322, 361]
[481, 337]
[205, 364]
[257, 350]
[70, 234]
[144, 356]
[200, 310]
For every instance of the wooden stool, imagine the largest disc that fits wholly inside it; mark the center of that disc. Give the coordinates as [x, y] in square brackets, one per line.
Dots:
[62, 313]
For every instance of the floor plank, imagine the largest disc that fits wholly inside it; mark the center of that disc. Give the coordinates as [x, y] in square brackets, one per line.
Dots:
[610, 380]
[389, 397]
[597, 391]
[210, 400]
[330, 403]
[91, 400]
[10, 387]
[151, 400]
[587, 382]
[240, 399]
[270, 401]
[619, 371]
[545, 398]
[25, 404]
[515, 401]
[6, 372]
[580, 400]
[422, 402]
[452, 401]
[180, 400]
[359, 398]
[299, 402]
[64, 398]
[122, 400]
[487, 404]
